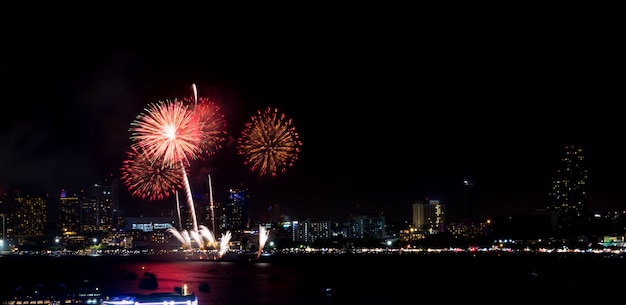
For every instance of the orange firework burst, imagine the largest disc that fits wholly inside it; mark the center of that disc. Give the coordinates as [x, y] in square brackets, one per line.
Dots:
[148, 178]
[269, 143]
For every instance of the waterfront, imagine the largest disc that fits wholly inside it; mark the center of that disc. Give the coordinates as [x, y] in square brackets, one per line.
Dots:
[345, 279]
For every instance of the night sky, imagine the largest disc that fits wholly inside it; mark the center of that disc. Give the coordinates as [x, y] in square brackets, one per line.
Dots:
[390, 109]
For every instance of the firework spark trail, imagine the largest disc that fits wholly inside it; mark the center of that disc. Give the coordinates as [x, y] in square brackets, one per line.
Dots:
[207, 234]
[269, 143]
[180, 222]
[190, 202]
[211, 206]
[195, 236]
[195, 93]
[149, 178]
[263, 236]
[224, 243]
[183, 237]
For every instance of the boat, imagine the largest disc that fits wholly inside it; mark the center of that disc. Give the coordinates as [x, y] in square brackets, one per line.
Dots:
[149, 282]
[151, 299]
[204, 287]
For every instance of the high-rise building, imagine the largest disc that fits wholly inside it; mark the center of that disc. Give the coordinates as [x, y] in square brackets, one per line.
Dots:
[69, 213]
[568, 196]
[367, 226]
[30, 218]
[98, 207]
[310, 230]
[429, 216]
[235, 216]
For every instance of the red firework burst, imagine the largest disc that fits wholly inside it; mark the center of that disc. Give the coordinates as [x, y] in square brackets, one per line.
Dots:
[148, 178]
[211, 124]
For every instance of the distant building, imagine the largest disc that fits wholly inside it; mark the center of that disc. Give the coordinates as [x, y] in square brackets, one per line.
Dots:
[235, 213]
[28, 219]
[468, 230]
[69, 214]
[367, 226]
[429, 216]
[149, 232]
[309, 231]
[98, 212]
[568, 196]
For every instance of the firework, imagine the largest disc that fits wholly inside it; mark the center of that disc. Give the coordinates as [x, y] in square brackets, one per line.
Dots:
[183, 237]
[188, 237]
[207, 235]
[269, 143]
[149, 178]
[168, 130]
[224, 243]
[169, 134]
[211, 124]
[263, 236]
[211, 205]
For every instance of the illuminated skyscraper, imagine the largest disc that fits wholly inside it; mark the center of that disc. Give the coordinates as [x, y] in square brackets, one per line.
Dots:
[69, 213]
[235, 216]
[429, 216]
[30, 218]
[568, 194]
[98, 212]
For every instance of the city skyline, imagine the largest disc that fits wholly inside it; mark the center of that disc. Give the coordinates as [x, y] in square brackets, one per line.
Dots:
[384, 120]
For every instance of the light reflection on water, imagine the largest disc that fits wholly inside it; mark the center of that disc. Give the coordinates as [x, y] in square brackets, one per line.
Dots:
[229, 282]
[335, 280]
[245, 282]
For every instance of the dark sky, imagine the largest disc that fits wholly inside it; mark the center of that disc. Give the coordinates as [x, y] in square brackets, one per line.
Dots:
[390, 108]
